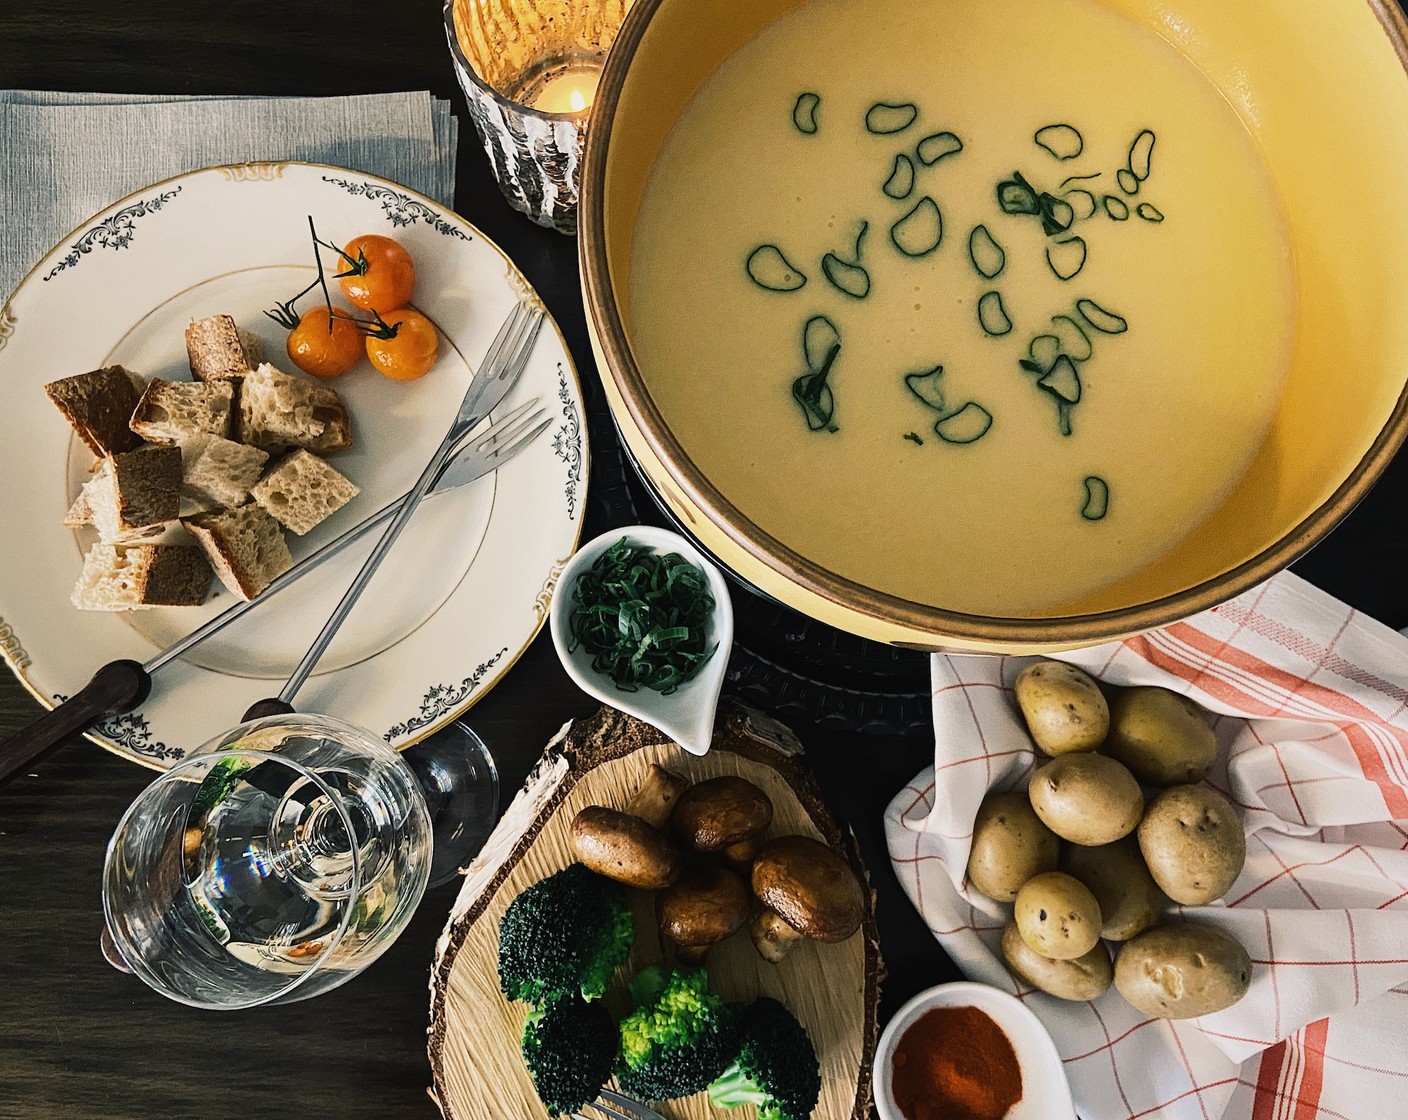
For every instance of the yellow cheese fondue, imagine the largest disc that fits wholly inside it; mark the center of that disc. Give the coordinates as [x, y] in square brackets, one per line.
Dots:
[984, 305]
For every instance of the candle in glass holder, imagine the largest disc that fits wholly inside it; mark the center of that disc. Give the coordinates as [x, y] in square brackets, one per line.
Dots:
[530, 69]
[572, 92]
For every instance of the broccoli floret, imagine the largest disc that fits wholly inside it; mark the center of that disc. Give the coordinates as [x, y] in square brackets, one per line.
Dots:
[678, 1039]
[776, 1068]
[569, 1048]
[566, 933]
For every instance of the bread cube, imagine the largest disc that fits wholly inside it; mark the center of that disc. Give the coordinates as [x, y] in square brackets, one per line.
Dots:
[116, 578]
[99, 405]
[174, 411]
[302, 491]
[279, 411]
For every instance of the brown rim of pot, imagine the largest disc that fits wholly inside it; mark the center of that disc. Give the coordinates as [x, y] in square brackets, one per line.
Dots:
[610, 331]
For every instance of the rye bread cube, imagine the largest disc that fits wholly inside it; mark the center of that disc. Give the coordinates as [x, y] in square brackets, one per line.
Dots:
[117, 578]
[134, 490]
[99, 405]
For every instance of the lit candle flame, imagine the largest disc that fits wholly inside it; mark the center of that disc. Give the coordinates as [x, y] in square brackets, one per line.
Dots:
[579, 102]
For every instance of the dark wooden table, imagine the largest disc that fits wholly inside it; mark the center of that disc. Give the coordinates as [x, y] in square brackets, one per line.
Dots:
[78, 1040]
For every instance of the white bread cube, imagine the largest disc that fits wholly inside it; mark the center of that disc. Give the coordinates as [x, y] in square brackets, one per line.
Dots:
[245, 546]
[174, 411]
[219, 471]
[278, 411]
[302, 491]
[216, 349]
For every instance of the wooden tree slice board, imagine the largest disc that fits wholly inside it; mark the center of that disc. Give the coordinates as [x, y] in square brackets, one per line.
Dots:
[476, 1066]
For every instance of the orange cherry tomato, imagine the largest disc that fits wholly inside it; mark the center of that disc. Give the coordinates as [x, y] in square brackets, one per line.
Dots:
[386, 279]
[325, 353]
[411, 353]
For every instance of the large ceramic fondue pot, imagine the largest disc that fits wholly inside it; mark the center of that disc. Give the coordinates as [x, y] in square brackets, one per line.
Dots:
[1322, 91]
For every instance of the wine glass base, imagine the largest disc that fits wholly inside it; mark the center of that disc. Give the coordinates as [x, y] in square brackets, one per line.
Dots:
[460, 782]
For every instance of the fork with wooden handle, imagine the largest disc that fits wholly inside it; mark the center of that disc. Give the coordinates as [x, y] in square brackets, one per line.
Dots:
[502, 368]
[121, 686]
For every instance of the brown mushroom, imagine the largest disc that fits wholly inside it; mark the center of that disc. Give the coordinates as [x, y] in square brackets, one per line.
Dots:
[809, 891]
[741, 855]
[655, 799]
[719, 813]
[706, 905]
[623, 847]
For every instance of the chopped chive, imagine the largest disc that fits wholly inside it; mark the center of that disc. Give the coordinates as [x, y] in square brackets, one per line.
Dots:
[1075, 343]
[770, 270]
[1128, 183]
[1061, 140]
[1106, 322]
[1063, 380]
[860, 241]
[812, 391]
[1116, 208]
[1150, 213]
[928, 387]
[643, 617]
[1083, 203]
[1016, 196]
[988, 257]
[1141, 154]
[992, 315]
[1043, 351]
[914, 438]
[804, 114]
[819, 338]
[849, 276]
[1067, 257]
[921, 231]
[886, 118]
[939, 146]
[900, 184]
[968, 425]
[1057, 215]
[1097, 499]
[1069, 179]
[848, 279]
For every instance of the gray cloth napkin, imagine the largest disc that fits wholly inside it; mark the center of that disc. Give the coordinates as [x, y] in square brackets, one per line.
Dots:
[68, 155]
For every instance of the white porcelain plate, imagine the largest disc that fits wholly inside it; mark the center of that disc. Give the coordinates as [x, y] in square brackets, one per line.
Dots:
[465, 589]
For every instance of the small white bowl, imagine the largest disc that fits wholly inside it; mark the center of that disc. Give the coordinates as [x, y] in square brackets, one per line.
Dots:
[1045, 1093]
[687, 714]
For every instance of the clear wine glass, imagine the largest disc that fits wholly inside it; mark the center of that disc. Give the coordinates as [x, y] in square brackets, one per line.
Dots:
[460, 783]
[271, 865]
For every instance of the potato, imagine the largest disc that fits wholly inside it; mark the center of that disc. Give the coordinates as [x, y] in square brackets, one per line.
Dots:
[1063, 706]
[1086, 798]
[1182, 970]
[1192, 839]
[1010, 845]
[1057, 916]
[1164, 738]
[1083, 978]
[1116, 875]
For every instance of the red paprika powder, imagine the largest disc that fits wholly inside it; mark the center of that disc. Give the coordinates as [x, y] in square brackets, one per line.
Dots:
[955, 1063]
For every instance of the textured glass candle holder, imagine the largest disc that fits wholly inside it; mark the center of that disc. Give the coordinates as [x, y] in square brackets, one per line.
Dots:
[518, 60]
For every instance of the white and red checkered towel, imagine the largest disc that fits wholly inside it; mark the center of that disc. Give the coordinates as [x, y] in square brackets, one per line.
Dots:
[1310, 704]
